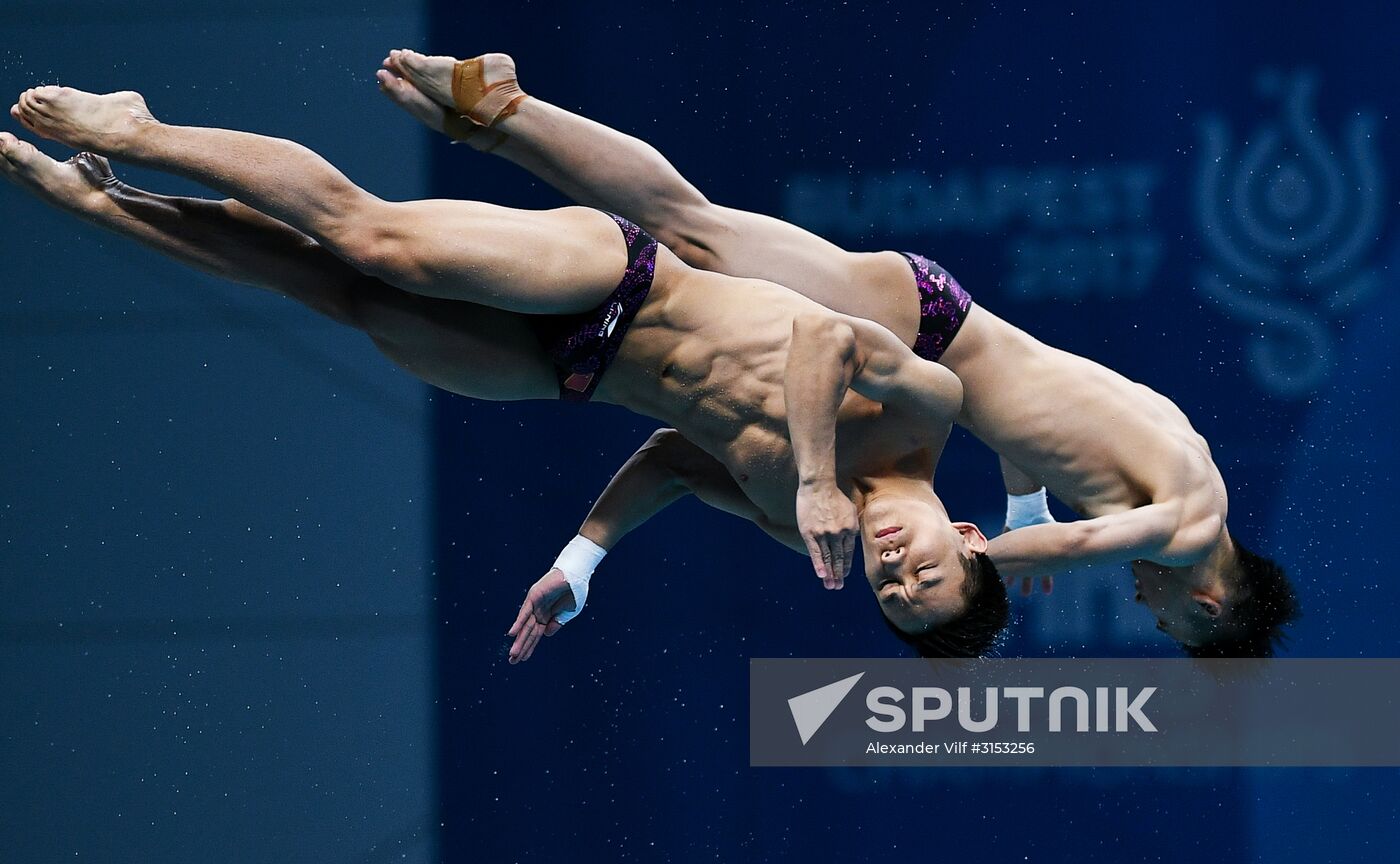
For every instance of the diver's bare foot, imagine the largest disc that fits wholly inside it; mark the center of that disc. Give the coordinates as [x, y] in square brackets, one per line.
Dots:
[433, 74]
[402, 93]
[79, 185]
[107, 123]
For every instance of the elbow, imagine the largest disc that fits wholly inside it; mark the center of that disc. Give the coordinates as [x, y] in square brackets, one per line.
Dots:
[672, 455]
[663, 439]
[1080, 538]
[827, 330]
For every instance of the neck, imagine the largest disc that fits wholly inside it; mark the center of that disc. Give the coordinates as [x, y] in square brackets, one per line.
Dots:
[870, 489]
[1206, 575]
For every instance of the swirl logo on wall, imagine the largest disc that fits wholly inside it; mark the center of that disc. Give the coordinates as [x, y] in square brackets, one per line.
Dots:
[1290, 220]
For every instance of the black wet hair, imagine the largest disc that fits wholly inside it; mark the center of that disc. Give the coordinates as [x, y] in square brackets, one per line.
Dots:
[1264, 604]
[973, 633]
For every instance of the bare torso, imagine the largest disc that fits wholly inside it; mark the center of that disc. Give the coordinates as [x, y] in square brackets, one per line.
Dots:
[707, 354]
[1098, 441]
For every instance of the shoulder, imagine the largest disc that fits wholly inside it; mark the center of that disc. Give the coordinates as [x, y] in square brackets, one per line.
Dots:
[1194, 538]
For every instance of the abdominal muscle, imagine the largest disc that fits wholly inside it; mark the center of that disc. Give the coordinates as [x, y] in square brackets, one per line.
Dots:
[707, 354]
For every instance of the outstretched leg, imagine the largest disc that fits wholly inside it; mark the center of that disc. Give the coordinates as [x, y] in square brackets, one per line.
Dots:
[222, 238]
[462, 347]
[601, 167]
[535, 262]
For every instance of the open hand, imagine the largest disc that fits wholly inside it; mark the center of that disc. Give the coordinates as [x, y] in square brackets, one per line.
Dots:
[539, 614]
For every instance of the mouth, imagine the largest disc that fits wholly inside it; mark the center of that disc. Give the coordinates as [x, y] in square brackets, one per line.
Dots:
[885, 532]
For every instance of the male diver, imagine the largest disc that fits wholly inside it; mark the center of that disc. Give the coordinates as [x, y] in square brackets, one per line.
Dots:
[1119, 454]
[815, 425]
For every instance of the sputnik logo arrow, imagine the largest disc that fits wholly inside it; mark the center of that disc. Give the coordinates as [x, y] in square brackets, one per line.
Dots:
[810, 710]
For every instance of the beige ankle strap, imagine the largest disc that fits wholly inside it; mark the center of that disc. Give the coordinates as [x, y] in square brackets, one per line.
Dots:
[465, 130]
[486, 105]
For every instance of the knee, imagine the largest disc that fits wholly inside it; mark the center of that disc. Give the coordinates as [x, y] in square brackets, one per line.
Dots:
[695, 232]
[366, 236]
[378, 252]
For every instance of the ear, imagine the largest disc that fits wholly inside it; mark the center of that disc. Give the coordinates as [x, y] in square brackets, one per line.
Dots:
[1209, 604]
[972, 535]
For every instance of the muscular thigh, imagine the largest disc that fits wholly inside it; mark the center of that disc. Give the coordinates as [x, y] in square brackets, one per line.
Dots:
[461, 347]
[876, 286]
[543, 262]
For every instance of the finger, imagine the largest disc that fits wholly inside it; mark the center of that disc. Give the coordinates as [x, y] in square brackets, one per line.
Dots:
[814, 552]
[1026, 587]
[536, 633]
[535, 643]
[553, 627]
[517, 651]
[830, 578]
[531, 640]
[838, 562]
[518, 646]
[526, 613]
[1047, 584]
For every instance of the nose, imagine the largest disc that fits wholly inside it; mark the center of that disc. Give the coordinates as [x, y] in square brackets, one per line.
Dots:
[891, 557]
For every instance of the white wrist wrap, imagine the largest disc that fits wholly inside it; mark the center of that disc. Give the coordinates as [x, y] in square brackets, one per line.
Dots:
[1023, 510]
[577, 562]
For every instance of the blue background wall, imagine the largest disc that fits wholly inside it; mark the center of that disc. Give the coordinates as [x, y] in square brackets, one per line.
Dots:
[1195, 194]
[215, 639]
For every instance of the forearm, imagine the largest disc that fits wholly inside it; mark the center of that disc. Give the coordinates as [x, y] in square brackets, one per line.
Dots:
[1052, 547]
[820, 366]
[646, 484]
[595, 165]
[1033, 551]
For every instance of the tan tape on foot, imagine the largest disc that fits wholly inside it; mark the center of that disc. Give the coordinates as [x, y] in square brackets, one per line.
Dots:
[465, 130]
[486, 105]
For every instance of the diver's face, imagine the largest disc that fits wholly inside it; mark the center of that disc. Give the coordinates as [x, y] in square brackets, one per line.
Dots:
[1189, 616]
[914, 561]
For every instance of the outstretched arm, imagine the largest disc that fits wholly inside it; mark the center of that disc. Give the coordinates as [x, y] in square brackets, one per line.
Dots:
[665, 469]
[828, 355]
[1047, 549]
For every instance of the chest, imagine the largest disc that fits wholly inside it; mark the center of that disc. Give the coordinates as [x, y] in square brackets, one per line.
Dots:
[868, 442]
